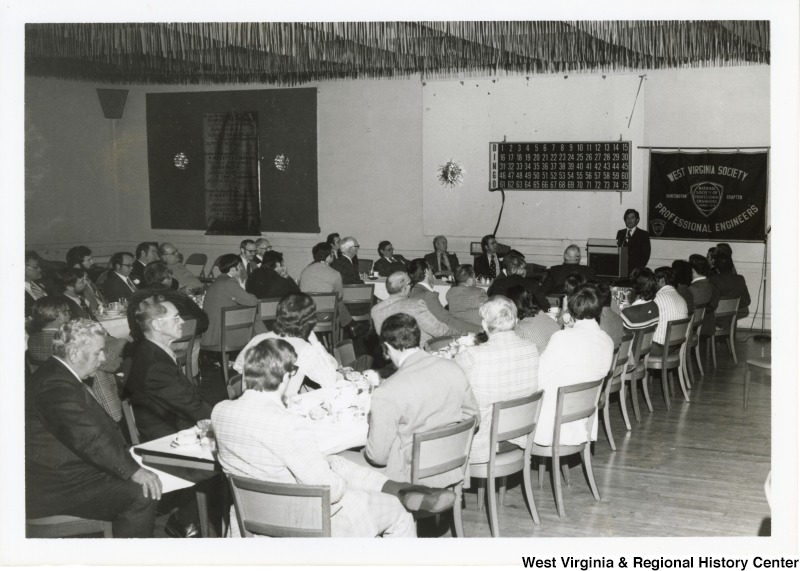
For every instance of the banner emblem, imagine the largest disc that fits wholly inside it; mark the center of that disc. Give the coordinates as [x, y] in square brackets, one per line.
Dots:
[706, 197]
[657, 226]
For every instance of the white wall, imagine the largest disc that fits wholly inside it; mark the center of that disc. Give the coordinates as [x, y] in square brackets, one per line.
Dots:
[379, 143]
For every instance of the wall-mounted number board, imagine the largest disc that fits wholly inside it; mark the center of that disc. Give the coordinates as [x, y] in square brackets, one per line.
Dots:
[561, 166]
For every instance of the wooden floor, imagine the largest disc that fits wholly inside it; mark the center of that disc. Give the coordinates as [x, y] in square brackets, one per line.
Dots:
[695, 470]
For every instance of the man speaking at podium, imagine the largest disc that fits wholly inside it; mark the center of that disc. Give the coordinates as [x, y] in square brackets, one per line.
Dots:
[636, 240]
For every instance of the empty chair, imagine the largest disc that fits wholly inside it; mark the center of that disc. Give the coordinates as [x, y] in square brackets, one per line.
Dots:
[437, 343]
[510, 419]
[236, 324]
[280, 510]
[670, 360]
[184, 348]
[693, 342]
[358, 299]
[268, 310]
[763, 364]
[555, 300]
[327, 318]
[65, 526]
[573, 403]
[441, 450]
[196, 263]
[642, 342]
[616, 384]
[726, 327]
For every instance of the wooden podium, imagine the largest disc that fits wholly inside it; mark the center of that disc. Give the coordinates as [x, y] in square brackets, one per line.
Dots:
[607, 259]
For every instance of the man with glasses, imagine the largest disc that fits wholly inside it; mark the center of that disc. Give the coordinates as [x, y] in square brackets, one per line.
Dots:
[247, 252]
[33, 288]
[187, 281]
[262, 247]
[164, 400]
[118, 284]
[347, 263]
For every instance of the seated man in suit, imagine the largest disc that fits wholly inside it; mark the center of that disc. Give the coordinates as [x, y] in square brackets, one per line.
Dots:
[80, 258]
[422, 277]
[426, 392]
[554, 280]
[515, 275]
[247, 254]
[117, 284]
[34, 289]
[347, 263]
[186, 281]
[503, 368]
[163, 399]
[389, 262]
[257, 437]
[319, 277]
[335, 242]
[262, 247]
[636, 240]
[72, 284]
[730, 284]
[704, 293]
[271, 279]
[442, 262]
[488, 264]
[398, 285]
[76, 460]
[464, 299]
[146, 252]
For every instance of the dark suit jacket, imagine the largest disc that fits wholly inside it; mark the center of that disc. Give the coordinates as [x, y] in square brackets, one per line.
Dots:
[182, 302]
[502, 284]
[266, 282]
[76, 311]
[70, 441]
[114, 287]
[164, 401]
[433, 262]
[137, 273]
[730, 286]
[481, 265]
[554, 280]
[348, 269]
[638, 248]
[385, 268]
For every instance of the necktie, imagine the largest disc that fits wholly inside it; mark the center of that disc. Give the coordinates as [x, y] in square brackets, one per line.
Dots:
[85, 307]
[443, 265]
[492, 268]
[130, 284]
[628, 238]
[37, 291]
[391, 260]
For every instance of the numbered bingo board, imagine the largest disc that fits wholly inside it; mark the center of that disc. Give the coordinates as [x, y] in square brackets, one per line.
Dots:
[596, 166]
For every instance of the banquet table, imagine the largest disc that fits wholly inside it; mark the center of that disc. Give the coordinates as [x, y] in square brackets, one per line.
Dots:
[439, 286]
[115, 324]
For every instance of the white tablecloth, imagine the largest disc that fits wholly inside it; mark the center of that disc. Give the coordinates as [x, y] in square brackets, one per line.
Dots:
[116, 326]
[439, 286]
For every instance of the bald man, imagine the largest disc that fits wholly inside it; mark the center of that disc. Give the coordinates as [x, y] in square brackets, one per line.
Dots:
[553, 283]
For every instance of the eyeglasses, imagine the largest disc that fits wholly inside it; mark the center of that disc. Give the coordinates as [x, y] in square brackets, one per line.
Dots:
[33, 266]
[166, 318]
[293, 370]
[126, 265]
[250, 251]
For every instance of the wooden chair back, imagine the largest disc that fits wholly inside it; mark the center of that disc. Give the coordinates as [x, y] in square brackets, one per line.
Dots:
[235, 387]
[344, 353]
[513, 418]
[130, 422]
[575, 402]
[237, 327]
[268, 311]
[555, 300]
[437, 343]
[327, 316]
[59, 526]
[442, 449]
[365, 266]
[280, 510]
[694, 328]
[727, 308]
[358, 298]
[184, 355]
[196, 263]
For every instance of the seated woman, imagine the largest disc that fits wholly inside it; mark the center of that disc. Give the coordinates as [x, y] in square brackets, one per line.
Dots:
[296, 319]
[226, 291]
[572, 282]
[533, 325]
[271, 279]
[643, 312]
[388, 263]
[49, 314]
[258, 438]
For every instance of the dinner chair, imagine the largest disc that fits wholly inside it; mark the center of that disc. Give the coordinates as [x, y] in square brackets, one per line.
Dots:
[436, 343]
[358, 298]
[725, 326]
[236, 324]
[345, 355]
[268, 311]
[280, 510]
[214, 273]
[616, 384]
[130, 422]
[693, 342]
[59, 526]
[183, 348]
[573, 403]
[441, 450]
[196, 263]
[235, 387]
[671, 359]
[555, 300]
[642, 342]
[510, 419]
[327, 318]
[763, 364]
[365, 266]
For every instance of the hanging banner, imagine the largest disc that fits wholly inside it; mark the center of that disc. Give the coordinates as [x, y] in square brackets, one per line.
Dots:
[231, 173]
[710, 196]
